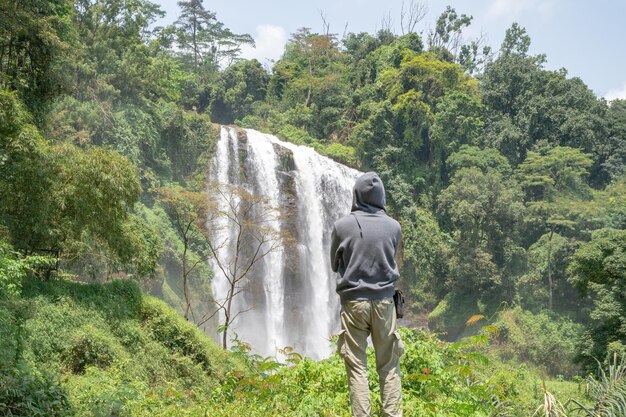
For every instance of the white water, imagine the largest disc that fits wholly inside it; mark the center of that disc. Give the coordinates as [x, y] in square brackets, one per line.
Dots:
[290, 299]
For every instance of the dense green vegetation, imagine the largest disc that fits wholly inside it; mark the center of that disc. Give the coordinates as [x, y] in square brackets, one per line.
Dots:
[508, 178]
[107, 349]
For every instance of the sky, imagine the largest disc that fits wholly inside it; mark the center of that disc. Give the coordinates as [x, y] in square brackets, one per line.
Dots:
[587, 38]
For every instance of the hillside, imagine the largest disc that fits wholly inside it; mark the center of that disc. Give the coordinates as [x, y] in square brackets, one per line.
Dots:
[71, 349]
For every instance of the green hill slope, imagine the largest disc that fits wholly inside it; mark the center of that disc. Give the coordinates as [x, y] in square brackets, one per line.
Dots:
[113, 349]
[73, 349]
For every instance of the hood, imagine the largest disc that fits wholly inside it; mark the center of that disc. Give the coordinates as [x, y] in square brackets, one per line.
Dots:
[368, 193]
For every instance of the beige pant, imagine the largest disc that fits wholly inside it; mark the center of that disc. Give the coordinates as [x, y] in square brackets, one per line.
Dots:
[377, 318]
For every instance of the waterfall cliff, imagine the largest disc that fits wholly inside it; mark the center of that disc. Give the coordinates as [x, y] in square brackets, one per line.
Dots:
[289, 297]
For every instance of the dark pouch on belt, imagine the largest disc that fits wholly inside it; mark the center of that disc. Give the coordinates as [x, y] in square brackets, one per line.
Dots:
[398, 300]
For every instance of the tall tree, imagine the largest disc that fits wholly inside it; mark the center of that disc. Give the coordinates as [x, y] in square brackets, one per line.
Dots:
[614, 161]
[193, 24]
[238, 88]
[205, 38]
[240, 232]
[188, 210]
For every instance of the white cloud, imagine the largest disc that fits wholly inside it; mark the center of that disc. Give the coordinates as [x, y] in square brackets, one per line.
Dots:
[512, 8]
[269, 44]
[616, 93]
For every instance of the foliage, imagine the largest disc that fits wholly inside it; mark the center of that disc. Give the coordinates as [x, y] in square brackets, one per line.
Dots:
[445, 38]
[114, 347]
[552, 346]
[439, 379]
[35, 39]
[449, 317]
[238, 88]
[425, 250]
[615, 153]
[484, 210]
[554, 170]
[119, 351]
[597, 270]
[15, 268]
[545, 284]
[608, 391]
[26, 395]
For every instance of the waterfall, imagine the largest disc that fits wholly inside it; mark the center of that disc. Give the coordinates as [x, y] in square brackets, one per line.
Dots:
[289, 297]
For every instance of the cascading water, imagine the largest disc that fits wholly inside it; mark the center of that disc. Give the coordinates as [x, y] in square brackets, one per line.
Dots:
[289, 299]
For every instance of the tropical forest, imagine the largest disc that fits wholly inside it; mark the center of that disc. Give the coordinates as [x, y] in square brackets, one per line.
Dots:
[166, 206]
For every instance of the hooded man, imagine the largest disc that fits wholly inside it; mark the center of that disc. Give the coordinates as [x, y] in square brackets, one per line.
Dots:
[363, 249]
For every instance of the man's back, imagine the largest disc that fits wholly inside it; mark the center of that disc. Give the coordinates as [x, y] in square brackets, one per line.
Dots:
[364, 245]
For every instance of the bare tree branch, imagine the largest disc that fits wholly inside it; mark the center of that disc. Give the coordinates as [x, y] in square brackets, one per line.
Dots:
[386, 23]
[412, 15]
[249, 224]
[325, 24]
[345, 31]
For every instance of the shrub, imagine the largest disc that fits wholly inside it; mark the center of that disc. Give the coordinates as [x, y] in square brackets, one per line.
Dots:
[50, 332]
[130, 335]
[341, 153]
[543, 339]
[115, 300]
[23, 394]
[90, 347]
[182, 337]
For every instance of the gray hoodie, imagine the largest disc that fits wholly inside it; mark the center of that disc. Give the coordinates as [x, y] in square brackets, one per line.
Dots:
[364, 244]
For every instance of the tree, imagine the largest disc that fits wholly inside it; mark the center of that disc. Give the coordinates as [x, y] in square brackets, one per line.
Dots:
[554, 172]
[516, 41]
[188, 211]
[598, 271]
[241, 230]
[486, 160]
[446, 38]
[238, 88]
[545, 283]
[207, 40]
[484, 209]
[425, 250]
[615, 152]
[192, 24]
[553, 180]
[528, 106]
[410, 16]
[35, 36]
[456, 123]
[53, 197]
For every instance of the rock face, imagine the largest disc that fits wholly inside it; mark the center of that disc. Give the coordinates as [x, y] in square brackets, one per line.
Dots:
[289, 299]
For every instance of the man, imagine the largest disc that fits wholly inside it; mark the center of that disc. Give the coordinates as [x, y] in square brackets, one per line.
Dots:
[363, 249]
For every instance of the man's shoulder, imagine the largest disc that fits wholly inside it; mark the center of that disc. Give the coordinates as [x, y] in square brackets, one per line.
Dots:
[395, 223]
[392, 224]
[342, 222]
[384, 217]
